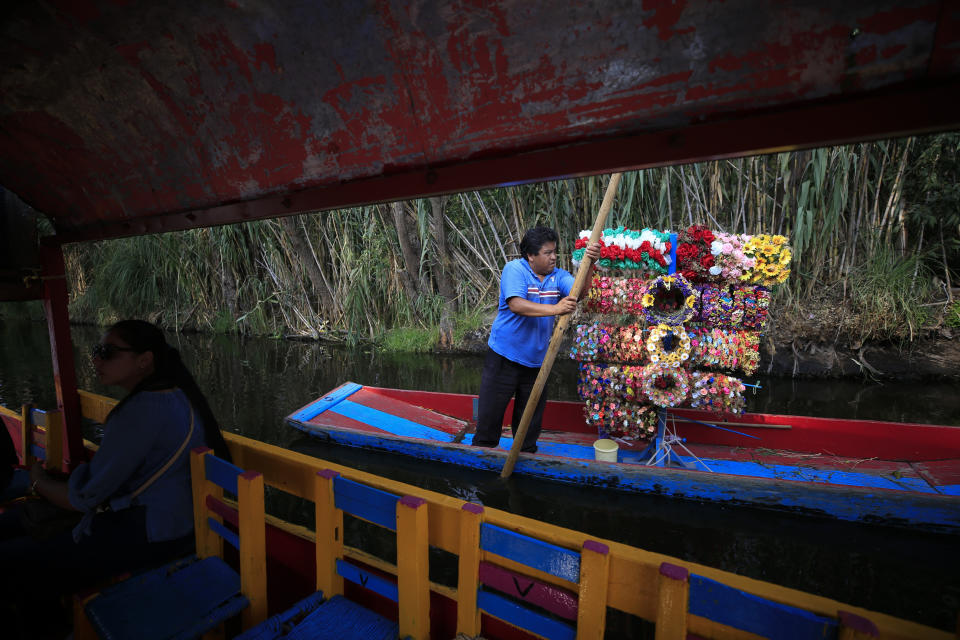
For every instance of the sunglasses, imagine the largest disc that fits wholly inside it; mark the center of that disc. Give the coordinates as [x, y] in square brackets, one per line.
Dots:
[107, 351]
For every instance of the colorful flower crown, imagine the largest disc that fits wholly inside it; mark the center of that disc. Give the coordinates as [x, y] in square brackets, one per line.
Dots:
[716, 392]
[621, 419]
[743, 306]
[772, 256]
[609, 343]
[669, 346]
[693, 253]
[669, 300]
[730, 261]
[730, 349]
[646, 251]
[665, 386]
[615, 295]
[610, 381]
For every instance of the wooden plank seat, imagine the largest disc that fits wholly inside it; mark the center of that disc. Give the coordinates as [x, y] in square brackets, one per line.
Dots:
[189, 597]
[522, 600]
[181, 600]
[720, 608]
[316, 618]
[747, 612]
[335, 616]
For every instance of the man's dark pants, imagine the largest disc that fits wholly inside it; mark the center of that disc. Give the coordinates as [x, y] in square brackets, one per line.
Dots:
[502, 380]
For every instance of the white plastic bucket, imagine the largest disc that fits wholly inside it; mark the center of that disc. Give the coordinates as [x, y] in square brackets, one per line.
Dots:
[605, 450]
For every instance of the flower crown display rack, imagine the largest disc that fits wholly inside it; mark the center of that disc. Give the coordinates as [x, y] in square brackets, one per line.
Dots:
[645, 251]
[717, 282]
[660, 452]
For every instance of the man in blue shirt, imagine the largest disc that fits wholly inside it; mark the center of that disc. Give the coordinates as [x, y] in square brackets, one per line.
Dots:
[532, 290]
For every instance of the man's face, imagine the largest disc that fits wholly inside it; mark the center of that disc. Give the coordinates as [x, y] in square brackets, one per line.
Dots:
[544, 262]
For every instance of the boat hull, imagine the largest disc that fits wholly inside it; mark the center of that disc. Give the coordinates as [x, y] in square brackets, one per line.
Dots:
[880, 506]
[927, 508]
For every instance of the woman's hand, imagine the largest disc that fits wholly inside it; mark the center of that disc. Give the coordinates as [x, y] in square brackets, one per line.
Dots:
[37, 472]
[49, 487]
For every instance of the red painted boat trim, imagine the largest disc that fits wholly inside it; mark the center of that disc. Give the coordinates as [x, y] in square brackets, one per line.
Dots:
[858, 439]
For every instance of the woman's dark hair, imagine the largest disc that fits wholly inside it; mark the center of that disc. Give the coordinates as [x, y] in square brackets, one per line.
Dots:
[168, 372]
[535, 238]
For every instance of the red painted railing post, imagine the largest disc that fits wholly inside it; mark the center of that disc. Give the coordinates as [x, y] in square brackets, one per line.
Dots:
[854, 627]
[55, 300]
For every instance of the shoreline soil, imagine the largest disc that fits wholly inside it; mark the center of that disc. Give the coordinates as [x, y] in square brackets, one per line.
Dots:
[792, 355]
[812, 346]
[822, 342]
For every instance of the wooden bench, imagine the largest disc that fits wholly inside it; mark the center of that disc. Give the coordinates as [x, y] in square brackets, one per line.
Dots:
[196, 594]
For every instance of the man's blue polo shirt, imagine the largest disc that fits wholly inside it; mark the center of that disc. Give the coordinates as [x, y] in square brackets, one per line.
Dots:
[524, 339]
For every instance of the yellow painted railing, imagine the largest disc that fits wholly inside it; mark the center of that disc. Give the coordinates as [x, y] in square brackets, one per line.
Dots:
[631, 578]
[48, 437]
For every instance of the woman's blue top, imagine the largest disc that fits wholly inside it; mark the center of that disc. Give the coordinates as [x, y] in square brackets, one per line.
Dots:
[138, 439]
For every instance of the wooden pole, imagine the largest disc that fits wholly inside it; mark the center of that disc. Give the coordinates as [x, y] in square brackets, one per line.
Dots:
[55, 300]
[559, 330]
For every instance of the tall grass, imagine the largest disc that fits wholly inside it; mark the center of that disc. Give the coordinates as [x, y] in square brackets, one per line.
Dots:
[858, 216]
[884, 294]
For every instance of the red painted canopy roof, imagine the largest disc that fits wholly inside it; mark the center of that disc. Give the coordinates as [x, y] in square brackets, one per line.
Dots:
[120, 118]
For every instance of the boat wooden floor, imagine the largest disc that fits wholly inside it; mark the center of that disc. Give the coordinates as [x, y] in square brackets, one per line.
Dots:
[377, 414]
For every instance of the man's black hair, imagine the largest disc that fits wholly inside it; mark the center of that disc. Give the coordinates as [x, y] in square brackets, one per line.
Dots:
[535, 238]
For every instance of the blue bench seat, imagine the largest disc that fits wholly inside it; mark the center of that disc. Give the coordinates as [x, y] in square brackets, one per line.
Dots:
[317, 619]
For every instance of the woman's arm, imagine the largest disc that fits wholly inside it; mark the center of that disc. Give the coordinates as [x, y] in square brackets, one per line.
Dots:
[49, 487]
[128, 436]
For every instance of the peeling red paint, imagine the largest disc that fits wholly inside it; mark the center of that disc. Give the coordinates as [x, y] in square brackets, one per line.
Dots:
[886, 22]
[664, 16]
[131, 51]
[182, 113]
[264, 54]
[21, 139]
[866, 55]
[226, 55]
[668, 79]
[890, 52]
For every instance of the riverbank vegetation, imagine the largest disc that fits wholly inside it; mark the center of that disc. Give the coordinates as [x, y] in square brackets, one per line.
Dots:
[875, 229]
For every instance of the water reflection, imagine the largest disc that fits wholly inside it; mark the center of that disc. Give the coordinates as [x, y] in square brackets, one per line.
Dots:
[254, 382]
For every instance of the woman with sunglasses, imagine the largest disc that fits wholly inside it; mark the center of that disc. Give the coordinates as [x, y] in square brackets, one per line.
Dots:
[146, 443]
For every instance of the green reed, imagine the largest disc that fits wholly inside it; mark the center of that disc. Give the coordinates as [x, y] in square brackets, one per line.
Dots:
[857, 216]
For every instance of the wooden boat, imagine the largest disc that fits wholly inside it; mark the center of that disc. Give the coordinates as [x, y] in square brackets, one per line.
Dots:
[117, 120]
[539, 580]
[856, 470]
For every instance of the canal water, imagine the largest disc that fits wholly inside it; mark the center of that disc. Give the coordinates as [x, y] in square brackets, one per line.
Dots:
[253, 383]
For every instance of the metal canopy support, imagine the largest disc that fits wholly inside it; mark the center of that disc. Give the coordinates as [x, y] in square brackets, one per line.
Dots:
[61, 348]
